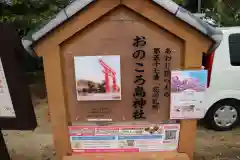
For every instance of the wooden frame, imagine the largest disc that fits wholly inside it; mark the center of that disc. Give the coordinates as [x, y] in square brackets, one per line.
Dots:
[49, 48]
[12, 55]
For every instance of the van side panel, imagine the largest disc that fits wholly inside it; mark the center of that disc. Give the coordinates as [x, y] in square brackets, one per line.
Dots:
[225, 78]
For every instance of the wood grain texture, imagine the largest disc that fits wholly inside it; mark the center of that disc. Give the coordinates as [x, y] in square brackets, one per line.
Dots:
[163, 18]
[189, 127]
[48, 47]
[56, 101]
[80, 36]
[78, 22]
[130, 156]
[106, 38]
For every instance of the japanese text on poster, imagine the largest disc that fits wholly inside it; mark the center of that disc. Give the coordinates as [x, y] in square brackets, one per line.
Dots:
[6, 106]
[187, 94]
[137, 138]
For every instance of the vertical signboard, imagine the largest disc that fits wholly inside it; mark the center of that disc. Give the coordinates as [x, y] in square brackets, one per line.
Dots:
[16, 108]
[6, 106]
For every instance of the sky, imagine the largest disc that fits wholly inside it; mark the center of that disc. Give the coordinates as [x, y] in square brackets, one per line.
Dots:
[201, 75]
[198, 74]
[89, 68]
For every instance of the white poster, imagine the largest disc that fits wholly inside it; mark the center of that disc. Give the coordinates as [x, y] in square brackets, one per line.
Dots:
[187, 94]
[6, 106]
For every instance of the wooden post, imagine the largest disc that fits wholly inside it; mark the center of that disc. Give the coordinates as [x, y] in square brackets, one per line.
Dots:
[69, 39]
[3, 148]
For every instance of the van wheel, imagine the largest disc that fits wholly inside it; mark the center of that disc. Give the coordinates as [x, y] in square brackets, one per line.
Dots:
[223, 116]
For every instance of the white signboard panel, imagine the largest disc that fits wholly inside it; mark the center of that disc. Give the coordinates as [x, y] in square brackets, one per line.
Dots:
[6, 106]
[187, 94]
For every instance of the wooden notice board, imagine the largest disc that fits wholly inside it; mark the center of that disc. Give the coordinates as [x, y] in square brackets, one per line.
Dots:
[135, 61]
[16, 108]
[150, 42]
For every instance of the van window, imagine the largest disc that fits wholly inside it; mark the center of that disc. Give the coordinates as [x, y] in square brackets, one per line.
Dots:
[234, 49]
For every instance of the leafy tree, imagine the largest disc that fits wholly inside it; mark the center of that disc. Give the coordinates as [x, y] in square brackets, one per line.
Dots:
[180, 2]
[101, 87]
[191, 5]
[223, 12]
[29, 14]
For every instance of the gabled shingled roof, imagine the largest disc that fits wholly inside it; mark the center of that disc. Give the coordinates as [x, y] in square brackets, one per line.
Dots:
[169, 5]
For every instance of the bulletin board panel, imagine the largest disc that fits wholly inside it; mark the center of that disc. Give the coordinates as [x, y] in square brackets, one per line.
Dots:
[58, 56]
[16, 108]
[114, 37]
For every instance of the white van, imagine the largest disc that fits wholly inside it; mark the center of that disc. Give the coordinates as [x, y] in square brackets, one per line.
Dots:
[223, 92]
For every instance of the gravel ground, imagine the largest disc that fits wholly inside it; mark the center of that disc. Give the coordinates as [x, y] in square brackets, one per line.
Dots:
[37, 145]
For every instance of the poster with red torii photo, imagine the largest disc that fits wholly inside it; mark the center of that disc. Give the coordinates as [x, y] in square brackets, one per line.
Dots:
[97, 77]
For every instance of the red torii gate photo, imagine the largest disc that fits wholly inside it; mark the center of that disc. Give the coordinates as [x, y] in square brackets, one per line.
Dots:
[91, 72]
[108, 71]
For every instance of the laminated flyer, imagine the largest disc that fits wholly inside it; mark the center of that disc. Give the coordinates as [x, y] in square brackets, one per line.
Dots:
[187, 94]
[127, 138]
[6, 106]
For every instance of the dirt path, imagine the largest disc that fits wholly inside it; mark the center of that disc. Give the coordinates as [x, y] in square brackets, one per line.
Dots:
[37, 145]
[212, 145]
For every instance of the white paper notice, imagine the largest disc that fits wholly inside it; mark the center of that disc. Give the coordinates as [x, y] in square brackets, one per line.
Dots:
[6, 106]
[187, 94]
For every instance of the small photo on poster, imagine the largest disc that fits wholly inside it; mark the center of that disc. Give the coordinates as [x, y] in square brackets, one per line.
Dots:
[187, 94]
[98, 77]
